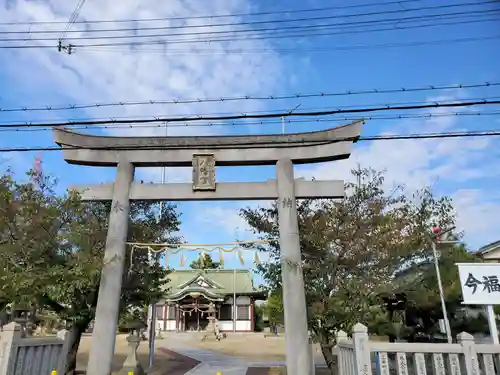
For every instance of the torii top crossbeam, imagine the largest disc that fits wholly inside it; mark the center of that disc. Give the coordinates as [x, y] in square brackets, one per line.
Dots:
[228, 150]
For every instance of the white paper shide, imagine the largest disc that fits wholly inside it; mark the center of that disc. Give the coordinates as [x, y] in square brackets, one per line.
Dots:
[480, 283]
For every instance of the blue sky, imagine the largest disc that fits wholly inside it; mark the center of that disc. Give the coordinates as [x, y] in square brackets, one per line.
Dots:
[466, 169]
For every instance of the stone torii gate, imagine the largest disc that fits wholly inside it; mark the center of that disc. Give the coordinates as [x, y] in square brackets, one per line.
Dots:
[204, 154]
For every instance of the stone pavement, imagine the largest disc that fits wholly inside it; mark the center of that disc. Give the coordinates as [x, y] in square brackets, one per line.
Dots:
[212, 362]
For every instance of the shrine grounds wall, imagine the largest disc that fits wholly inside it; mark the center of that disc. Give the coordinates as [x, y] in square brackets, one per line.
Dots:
[357, 354]
[30, 355]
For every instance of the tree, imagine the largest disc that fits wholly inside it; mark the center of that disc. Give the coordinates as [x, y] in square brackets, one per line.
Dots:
[52, 246]
[351, 249]
[273, 308]
[421, 287]
[204, 262]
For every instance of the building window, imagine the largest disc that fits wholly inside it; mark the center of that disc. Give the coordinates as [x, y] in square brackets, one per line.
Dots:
[226, 312]
[243, 312]
[159, 311]
[171, 312]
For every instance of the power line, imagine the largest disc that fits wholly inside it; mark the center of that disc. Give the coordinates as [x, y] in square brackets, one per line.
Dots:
[296, 28]
[425, 116]
[273, 21]
[486, 133]
[292, 11]
[72, 19]
[255, 116]
[294, 34]
[114, 119]
[240, 51]
[424, 88]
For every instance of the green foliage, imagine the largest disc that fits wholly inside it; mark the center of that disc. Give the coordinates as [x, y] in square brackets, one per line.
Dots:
[351, 248]
[258, 315]
[421, 288]
[204, 262]
[273, 308]
[52, 248]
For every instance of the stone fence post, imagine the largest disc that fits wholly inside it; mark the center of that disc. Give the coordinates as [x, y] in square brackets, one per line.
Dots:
[470, 355]
[10, 334]
[312, 363]
[361, 350]
[337, 352]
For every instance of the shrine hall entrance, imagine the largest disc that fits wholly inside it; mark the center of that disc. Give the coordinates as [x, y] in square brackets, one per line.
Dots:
[195, 321]
[194, 313]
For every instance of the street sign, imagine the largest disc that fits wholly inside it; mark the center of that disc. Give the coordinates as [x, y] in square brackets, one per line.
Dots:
[480, 283]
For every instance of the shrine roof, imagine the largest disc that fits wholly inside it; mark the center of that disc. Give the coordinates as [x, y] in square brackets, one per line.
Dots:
[489, 248]
[216, 282]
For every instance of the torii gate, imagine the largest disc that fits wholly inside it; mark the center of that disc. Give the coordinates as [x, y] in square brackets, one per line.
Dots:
[204, 153]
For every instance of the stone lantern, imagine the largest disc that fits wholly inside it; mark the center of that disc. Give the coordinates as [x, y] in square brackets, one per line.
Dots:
[211, 317]
[24, 316]
[131, 363]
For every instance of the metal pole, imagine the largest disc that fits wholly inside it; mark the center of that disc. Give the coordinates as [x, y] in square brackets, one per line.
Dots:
[441, 295]
[234, 299]
[152, 328]
[282, 124]
[492, 324]
[152, 334]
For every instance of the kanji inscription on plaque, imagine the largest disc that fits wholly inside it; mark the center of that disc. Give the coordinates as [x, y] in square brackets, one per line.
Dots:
[203, 172]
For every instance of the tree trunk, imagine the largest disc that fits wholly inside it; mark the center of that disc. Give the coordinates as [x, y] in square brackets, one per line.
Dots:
[330, 359]
[74, 337]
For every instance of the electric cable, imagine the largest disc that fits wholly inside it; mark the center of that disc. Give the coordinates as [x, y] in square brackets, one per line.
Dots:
[216, 16]
[71, 20]
[296, 28]
[437, 135]
[241, 51]
[425, 116]
[423, 88]
[274, 21]
[246, 38]
[259, 115]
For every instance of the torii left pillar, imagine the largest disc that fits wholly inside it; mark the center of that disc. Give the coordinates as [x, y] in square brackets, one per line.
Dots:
[106, 318]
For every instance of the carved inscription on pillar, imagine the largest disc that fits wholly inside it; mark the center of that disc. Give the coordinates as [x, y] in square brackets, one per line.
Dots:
[203, 172]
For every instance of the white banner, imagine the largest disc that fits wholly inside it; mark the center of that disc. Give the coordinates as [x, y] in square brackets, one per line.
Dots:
[480, 283]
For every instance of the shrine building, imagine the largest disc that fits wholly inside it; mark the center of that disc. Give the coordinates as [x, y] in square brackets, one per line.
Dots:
[186, 307]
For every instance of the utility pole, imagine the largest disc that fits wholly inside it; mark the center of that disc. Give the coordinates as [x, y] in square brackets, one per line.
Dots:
[282, 124]
[152, 328]
[437, 233]
[234, 300]
[68, 48]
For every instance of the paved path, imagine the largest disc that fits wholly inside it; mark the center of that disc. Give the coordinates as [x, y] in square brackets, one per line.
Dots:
[211, 362]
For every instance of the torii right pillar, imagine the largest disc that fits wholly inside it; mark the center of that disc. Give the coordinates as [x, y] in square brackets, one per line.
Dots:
[298, 358]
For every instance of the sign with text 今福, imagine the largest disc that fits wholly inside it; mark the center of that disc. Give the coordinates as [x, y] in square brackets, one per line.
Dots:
[480, 283]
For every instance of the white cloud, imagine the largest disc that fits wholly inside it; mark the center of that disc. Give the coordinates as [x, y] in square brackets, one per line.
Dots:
[459, 167]
[478, 214]
[449, 165]
[102, 75]
[226, 219]
[45, 75]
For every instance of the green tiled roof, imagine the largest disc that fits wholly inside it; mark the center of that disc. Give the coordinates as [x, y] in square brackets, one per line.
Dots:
[222, 282]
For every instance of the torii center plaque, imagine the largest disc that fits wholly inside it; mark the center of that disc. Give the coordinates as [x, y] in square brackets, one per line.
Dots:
[203, 154]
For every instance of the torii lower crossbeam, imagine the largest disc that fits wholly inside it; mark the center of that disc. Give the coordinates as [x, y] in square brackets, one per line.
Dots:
[225, 191]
